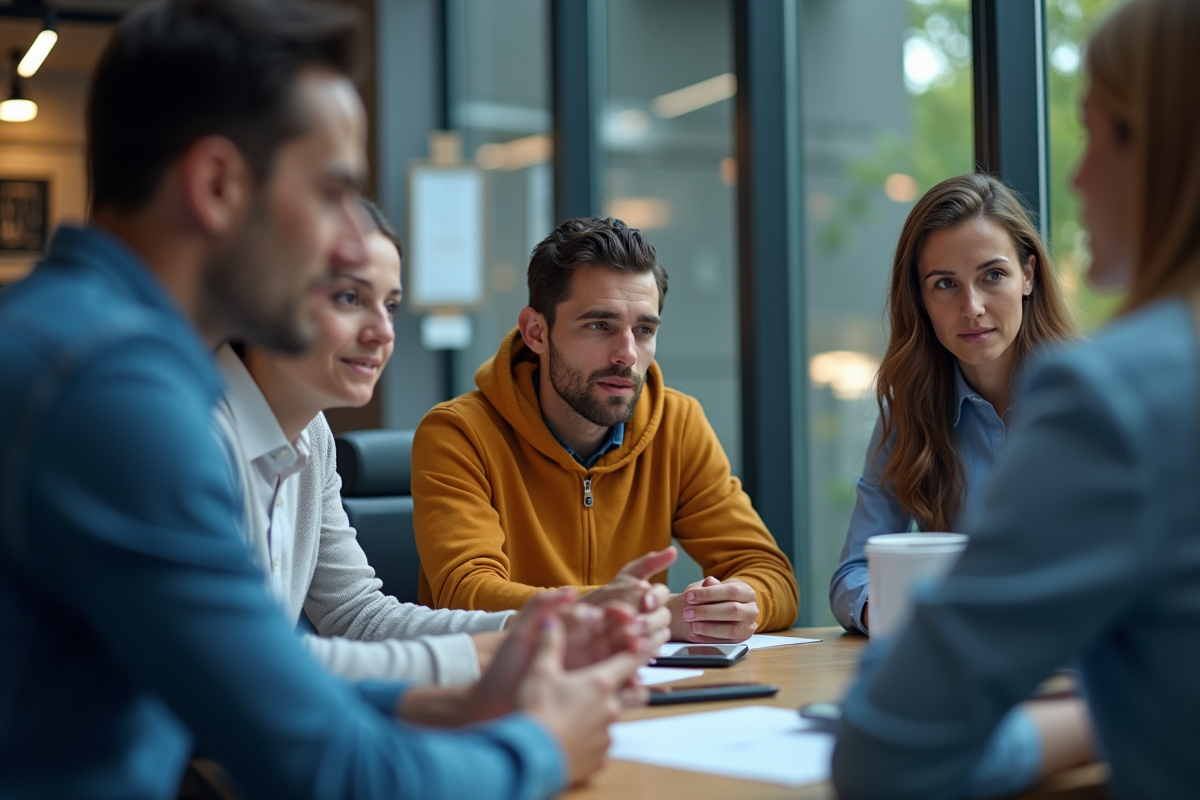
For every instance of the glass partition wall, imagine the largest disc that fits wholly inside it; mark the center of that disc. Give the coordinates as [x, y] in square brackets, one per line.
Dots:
[886, 112]
[667, 138]
[498, 100]
[666, 134]
[1068, 25]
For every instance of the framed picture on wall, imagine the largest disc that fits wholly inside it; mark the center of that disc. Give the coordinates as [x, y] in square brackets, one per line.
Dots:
[24, 215]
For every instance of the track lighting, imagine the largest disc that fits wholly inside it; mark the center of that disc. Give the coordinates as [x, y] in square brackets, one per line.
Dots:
[41, 46]
[17, 108]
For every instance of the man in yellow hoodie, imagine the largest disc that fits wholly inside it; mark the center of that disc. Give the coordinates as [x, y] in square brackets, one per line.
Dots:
[573, 459]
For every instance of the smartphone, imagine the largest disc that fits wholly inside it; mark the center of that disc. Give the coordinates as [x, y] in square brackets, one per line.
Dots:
[666, 695]
[824, 716]
[702, 655]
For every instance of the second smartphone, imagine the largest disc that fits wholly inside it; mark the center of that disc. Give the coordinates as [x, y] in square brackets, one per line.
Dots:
[666, 695]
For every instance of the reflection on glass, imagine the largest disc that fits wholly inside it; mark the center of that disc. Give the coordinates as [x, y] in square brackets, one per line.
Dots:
[1068, 25]
[667, 135]
[887, 113]
[499, 97]
[667, 138]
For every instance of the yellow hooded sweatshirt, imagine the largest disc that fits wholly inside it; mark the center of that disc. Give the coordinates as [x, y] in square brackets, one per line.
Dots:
[500, 509]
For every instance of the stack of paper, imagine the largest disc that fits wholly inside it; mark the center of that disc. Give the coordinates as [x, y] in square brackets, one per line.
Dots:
[755, 743]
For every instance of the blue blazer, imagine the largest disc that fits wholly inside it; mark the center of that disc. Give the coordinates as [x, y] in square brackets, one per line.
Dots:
[1087, 547]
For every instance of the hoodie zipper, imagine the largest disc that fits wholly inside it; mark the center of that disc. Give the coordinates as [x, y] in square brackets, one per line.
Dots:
[587, 492]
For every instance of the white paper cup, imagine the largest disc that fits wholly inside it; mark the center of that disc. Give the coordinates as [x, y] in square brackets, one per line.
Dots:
[896, 562]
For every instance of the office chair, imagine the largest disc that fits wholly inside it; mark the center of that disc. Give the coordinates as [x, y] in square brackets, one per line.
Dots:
[376, 468]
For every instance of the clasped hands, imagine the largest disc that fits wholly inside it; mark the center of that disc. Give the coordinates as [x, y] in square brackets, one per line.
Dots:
[572, 666]
[708, 611]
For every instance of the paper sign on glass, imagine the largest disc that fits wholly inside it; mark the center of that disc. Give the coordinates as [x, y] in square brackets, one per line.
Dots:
[445, 256]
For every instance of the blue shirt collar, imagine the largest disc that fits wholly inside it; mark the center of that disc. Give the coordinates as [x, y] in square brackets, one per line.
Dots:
[616, 434]
[94, 248]
[965, 393]
[98, 249]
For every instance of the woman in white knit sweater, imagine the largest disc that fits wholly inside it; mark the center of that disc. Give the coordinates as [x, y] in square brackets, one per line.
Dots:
[298, 533]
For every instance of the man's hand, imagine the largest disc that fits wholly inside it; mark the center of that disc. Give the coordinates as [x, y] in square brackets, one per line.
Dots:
[575, 707]
[711, 612]
[527, 674]
[598, 636]
[632, 582]
[495, 694]
[594, 633]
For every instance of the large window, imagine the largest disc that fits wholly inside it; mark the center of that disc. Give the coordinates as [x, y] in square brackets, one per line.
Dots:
[498, 75]
[886, 113]
[667, 138]
[1068, 25]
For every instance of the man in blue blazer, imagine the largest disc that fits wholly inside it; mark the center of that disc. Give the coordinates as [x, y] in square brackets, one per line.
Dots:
[226, 147]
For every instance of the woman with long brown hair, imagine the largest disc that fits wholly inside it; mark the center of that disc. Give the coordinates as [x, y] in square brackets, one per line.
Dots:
[1087, 545]
[972, 295]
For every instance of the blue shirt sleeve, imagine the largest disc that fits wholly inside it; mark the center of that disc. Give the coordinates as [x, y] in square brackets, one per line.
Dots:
[136, 538]
[876, 511]
[383, 696]
[1050, 563]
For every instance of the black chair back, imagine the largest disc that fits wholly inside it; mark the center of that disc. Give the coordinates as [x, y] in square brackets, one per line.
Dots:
[376, 468]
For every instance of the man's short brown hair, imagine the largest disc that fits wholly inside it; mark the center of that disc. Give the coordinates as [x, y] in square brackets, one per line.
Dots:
[176, 71]
[582, 242]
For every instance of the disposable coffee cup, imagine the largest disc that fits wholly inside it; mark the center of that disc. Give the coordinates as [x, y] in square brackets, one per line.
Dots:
[896, 564]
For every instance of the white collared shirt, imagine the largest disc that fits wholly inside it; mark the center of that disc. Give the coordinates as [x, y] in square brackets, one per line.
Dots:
[272, 501]
[298, 534]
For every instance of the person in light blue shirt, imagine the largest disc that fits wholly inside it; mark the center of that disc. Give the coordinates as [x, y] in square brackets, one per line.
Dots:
[973, 294]
[226, 145]
[1087, 544]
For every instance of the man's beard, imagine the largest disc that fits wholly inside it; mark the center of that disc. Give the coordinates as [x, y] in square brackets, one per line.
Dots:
[244, 291]
[577, 391]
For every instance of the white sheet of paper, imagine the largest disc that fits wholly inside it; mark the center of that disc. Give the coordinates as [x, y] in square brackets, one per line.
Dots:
[760, 640]
[648, 676]
[755, 743]
[756, 642]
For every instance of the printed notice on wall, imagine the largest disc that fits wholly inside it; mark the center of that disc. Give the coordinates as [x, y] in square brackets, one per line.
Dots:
[445, 258]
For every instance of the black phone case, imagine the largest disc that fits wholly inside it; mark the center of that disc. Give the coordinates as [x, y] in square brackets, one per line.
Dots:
[698, 694]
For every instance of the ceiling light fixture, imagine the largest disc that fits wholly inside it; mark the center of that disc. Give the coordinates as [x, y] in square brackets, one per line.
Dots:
[17, 108]
[41, 46]
[697, 96]
[517, 154]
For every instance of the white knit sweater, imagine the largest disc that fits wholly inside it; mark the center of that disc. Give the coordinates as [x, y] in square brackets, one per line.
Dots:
[364, 634]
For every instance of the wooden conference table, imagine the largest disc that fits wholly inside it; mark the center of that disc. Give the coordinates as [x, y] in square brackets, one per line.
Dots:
[806, 673]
